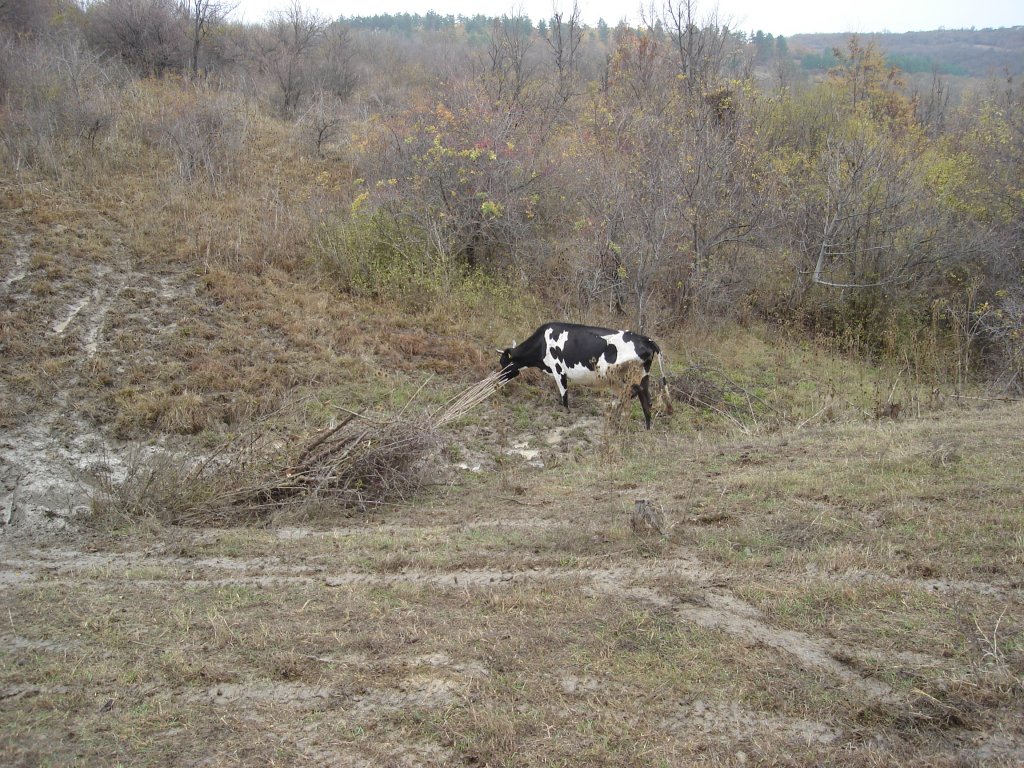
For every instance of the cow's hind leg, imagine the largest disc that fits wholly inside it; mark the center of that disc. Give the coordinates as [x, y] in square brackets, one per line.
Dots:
[643, 392]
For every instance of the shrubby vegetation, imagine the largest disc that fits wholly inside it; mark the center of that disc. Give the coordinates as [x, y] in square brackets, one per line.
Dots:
[677, 173]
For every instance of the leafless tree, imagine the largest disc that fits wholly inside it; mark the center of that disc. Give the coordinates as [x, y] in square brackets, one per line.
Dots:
[336, 71]
[202, 17]
[323, 119]
[292, 35]
[933, 105]
[699, 43]
[563, 39]
[24, 16]
[865, 230]
[145, 34]
[509, 68]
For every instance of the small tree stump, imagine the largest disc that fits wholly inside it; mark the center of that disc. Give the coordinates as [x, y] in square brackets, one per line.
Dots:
[646, 518]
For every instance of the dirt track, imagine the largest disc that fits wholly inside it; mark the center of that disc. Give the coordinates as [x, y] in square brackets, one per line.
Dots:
[395, 694]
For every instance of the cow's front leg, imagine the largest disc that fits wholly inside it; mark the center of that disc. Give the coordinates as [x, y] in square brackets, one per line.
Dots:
[563, 390]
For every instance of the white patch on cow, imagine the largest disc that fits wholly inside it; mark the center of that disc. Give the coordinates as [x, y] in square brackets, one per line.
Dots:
[626, 350]
[554, 343]
[551, 343]
[580, 373]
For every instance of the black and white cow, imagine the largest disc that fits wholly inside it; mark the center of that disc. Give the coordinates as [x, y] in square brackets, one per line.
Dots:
[586, 355]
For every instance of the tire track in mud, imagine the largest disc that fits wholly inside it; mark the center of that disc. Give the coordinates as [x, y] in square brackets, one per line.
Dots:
[430, 683]
[41, 473]
[20, 268]
[93, 308]
[731, 720]
[742, 620]
[713, 607]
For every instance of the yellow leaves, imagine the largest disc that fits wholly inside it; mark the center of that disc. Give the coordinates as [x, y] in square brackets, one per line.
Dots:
[444, 115]
[358, 202]
[531, 206]
[491, 209]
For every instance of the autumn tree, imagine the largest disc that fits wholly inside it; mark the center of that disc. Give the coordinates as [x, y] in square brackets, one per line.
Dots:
[982, 183]
[460, 176]
[868, 82]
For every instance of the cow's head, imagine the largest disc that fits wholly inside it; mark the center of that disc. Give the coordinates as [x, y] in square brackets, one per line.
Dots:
[509, 367]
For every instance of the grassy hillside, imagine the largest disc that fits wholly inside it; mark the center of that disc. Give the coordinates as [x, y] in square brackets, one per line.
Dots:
[817, 558]
[825, 578]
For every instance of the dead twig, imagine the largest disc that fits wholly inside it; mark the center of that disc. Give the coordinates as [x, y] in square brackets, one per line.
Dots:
[989, 399]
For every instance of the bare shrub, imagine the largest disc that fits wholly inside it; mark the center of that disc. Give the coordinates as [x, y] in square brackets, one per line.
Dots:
[286, 49]
[24, 16]
[60, 99]
[362, 462]
[155, 486]
[322, 122]
[147, 35]
[205, 133]
[1003, 325]
[359, 463]
[335, 66]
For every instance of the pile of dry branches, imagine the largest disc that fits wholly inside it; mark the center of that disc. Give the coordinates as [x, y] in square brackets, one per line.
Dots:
[361, 462]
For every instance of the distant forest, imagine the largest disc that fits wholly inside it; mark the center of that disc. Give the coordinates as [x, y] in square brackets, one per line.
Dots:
[962, 52]
[968, 52]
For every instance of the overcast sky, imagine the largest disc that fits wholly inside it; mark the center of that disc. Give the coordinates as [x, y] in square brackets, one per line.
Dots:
[783, 17]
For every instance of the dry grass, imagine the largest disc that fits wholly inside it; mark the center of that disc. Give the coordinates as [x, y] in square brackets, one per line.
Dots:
[835, 595]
